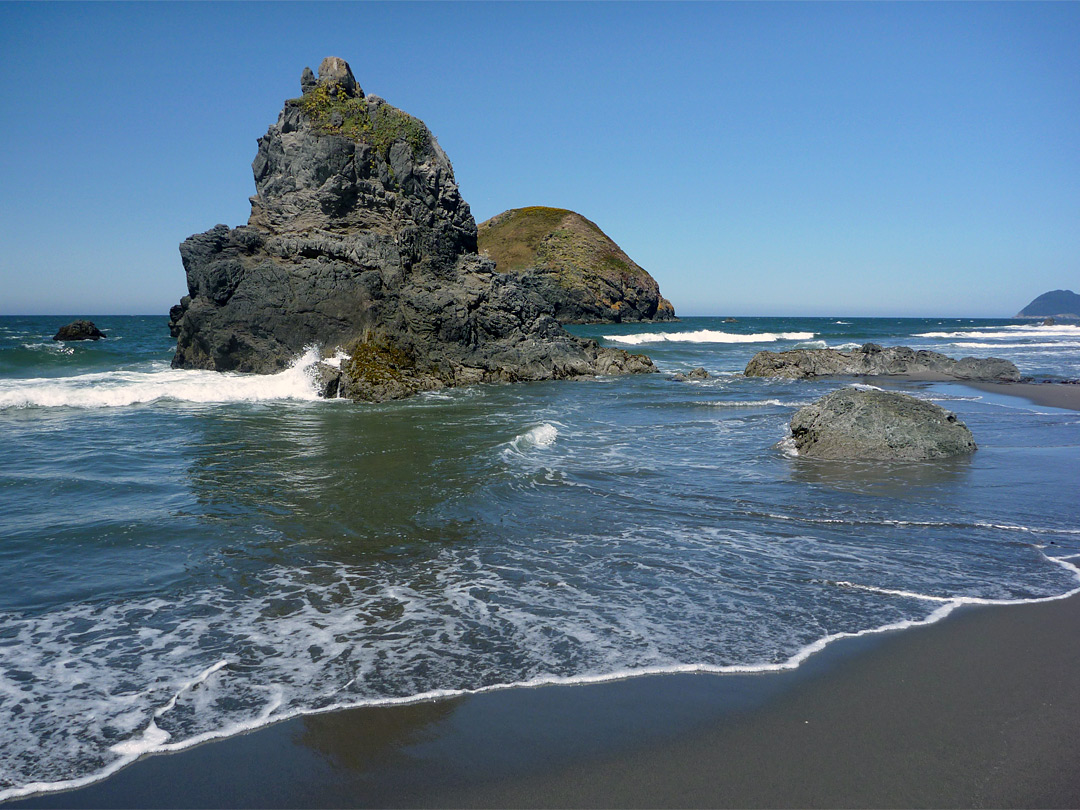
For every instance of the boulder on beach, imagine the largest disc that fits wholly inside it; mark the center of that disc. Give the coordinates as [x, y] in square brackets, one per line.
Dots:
[856, 424]
[359, 242]
[574, 265]
[874, 360]
[79, 330]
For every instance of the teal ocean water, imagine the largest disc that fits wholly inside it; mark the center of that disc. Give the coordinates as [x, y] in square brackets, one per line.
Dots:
[185, 555]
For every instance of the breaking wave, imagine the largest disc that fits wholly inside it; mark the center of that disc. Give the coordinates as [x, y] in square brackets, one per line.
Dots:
[112, 389]
[706, 336]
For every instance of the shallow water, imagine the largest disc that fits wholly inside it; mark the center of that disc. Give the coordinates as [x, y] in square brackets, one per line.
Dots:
[185, 554]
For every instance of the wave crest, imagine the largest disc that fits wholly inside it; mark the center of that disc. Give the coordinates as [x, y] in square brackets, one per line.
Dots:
[706, 336]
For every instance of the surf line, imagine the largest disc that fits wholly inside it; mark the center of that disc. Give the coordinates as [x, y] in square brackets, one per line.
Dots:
[143, 746]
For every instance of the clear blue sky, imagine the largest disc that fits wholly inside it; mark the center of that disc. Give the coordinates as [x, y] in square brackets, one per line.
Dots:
[795, 158]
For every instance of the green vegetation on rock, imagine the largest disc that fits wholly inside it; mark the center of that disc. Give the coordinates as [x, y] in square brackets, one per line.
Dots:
[340, 114]
[377, 361]
[582, 272]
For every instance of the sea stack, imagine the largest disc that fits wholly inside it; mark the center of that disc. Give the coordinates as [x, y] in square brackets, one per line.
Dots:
[79, 330]
[359, 242]
[574, 265]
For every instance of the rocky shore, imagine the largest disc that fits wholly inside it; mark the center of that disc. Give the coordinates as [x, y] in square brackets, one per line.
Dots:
[874, 360]
[360, 244]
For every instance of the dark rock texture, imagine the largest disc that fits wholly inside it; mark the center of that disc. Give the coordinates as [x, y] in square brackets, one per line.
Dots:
[359, 241]
[1063, 304]
[79, 330]
[872, 359]
[853, 424]
[573, 265]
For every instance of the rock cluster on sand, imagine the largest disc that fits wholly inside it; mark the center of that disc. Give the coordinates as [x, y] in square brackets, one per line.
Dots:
[854, 424]
[574, 265]
[79, 330]
[359, 241]
[872, 359]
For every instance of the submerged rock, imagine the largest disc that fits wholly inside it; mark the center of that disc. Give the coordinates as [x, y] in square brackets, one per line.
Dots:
[79, 330]
[854, 424]
[872, 359]
[359, 241]
[573, 265]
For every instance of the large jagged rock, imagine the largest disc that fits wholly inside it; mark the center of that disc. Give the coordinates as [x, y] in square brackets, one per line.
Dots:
[872, 359]
[1062, 304]
[854, 424]
[574, 265]
[359, 241]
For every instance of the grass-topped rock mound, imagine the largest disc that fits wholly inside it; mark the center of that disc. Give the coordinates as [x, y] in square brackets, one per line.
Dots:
[359, 243]
[574, 265]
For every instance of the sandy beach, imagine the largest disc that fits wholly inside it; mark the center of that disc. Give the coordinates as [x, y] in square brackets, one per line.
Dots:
[977, 710]
[1048, 394]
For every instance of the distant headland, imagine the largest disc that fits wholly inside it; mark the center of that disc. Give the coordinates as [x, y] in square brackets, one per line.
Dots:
[1061, 304]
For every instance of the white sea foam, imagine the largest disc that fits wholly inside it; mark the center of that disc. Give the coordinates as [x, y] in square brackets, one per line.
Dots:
[706, 336]
[864, 387]
[540, 436]
[1003, 345]
[1009, 332]
[122, 388]
[812, 344]
[747, 403]
[286, 631]
[56, 347]
[335, 361]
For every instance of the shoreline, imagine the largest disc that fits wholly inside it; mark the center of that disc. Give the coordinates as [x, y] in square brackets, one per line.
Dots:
[1048, 394]
[974, 709]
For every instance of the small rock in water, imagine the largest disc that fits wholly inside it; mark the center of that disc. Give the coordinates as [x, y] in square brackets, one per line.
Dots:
[698, 373]
[853, 424]
[79, 330]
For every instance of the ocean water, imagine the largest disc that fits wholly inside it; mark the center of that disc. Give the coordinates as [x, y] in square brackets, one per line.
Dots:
[185, 555]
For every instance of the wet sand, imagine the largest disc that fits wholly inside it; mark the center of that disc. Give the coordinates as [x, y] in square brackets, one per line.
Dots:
[982, 709]
[1047, 394]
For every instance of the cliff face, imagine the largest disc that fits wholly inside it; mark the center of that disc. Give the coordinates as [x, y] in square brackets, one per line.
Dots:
[573, 264]
[359, 241]
[1055, 304]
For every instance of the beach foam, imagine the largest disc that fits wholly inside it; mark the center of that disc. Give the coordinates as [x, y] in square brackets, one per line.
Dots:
[113, 389]
[1009, 332]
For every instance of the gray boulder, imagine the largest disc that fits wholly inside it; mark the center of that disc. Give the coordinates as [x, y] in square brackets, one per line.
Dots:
[853, 424]
[79, 330]
[359, 240]
[872, 359]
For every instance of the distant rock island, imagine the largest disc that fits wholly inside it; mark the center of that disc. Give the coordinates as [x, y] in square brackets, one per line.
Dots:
[360, 242]
[873, 360]
[1064, 304]
[79, 330]
[574, 265]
